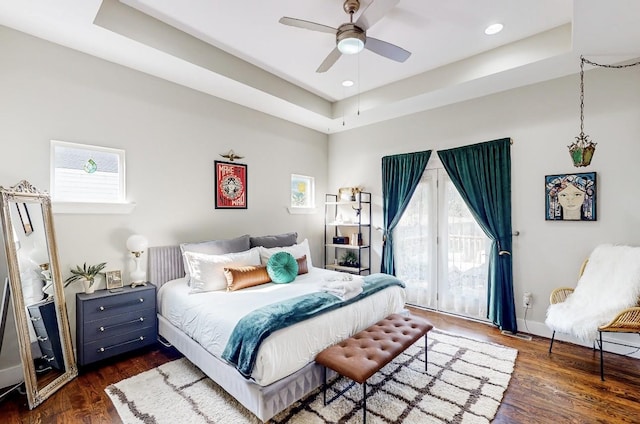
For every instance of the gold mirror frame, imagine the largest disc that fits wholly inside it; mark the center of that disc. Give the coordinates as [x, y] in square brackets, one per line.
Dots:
[22, 195]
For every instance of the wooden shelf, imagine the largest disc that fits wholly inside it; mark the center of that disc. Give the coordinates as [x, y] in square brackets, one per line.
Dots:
[352, 269]
[346, 202]
[347, 246]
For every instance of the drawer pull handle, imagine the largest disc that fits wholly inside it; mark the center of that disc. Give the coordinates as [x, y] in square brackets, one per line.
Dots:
[133, 321]
[104, 349]
[35, 319]
[48, 359]
[120, 305]
[42, 339]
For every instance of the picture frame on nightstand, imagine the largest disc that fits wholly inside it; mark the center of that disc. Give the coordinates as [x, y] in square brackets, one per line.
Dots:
[114, 280]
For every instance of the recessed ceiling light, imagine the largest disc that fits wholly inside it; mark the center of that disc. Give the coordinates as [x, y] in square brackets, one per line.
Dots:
[493, 29]
[347, 83]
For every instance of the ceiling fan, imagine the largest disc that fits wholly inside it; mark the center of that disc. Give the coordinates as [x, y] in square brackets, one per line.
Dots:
[351, 37]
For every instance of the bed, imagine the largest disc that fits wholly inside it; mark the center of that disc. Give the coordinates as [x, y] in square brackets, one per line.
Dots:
[200, 324]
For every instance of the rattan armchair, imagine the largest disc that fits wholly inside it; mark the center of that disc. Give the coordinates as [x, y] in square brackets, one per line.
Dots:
[626, 321]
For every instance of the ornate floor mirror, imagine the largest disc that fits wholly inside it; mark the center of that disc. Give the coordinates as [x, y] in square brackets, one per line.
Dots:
[37, 292]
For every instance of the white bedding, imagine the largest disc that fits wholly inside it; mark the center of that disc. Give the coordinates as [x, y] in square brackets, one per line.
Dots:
[209, 318]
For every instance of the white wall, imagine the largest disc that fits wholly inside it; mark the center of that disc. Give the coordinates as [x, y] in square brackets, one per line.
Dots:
[171, 135]
[542, 120]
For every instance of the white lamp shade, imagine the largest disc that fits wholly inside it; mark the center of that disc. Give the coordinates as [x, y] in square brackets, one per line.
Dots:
[137, 243]
[350, 45]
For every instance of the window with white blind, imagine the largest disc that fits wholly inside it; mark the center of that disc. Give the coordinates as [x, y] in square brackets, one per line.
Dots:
[82, 173]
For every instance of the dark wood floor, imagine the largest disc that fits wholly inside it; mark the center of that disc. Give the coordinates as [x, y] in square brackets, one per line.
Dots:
[563, 387]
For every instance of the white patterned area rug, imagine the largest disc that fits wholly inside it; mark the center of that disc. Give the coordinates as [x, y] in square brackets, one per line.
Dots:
[464, 383]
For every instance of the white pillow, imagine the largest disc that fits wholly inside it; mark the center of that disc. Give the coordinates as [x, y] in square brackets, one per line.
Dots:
[215, 247]
[297, 250]
[207, 271]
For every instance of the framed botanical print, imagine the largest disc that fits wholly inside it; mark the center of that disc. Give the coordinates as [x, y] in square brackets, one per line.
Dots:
[302, 191]
[230, 185]
[570, 197]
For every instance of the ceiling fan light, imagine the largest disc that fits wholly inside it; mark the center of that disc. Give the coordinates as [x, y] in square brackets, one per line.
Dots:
[350, 39]
[350, 45]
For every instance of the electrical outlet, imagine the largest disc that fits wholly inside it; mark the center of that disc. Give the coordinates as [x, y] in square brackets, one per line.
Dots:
[527, 299]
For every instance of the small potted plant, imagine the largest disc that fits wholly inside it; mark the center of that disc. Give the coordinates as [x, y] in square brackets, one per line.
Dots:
[350, 259]
[86, 274]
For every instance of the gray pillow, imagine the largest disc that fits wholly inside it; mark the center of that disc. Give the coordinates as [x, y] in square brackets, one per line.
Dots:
[215, 247]
[279, 240]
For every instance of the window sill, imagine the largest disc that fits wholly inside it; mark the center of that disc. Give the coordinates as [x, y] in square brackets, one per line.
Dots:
[92, 208]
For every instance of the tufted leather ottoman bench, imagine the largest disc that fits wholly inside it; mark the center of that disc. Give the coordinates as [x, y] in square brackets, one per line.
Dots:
[366, 352]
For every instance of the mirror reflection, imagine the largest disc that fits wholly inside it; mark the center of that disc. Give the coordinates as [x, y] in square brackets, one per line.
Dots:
[33, 263]
[37, 294]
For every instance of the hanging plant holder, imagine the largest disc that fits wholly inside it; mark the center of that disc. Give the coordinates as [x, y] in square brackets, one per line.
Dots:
[582, 149]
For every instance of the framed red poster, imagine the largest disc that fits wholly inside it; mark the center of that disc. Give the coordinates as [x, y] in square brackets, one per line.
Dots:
[231, 185]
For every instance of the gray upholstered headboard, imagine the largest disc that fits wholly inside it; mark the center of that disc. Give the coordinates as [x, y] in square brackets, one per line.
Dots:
[165, 264]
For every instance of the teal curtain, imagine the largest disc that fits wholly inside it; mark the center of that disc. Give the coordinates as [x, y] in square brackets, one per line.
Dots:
[482, 175]
[400, 177]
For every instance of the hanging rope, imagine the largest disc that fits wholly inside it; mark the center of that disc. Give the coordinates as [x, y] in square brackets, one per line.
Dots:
[582, 62]
[608, 66]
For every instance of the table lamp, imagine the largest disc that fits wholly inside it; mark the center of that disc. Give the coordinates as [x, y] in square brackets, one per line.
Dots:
[137, 244]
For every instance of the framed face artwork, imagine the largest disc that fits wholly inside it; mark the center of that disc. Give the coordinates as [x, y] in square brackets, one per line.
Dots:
[230, 185]
[570, 197]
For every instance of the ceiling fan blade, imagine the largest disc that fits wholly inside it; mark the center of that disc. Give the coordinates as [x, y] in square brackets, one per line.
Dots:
[329, 60]
[388, 50]
[307, 25]
[376, 11]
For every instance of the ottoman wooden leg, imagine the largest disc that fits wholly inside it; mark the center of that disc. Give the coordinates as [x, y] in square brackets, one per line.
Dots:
[364, 403]
[425, 351]
[324, 385]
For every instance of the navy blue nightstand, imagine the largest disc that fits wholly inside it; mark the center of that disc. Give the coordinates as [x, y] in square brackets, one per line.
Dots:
[108, 324]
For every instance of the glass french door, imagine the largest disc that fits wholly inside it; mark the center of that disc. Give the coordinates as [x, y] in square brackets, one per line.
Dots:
[440, 252]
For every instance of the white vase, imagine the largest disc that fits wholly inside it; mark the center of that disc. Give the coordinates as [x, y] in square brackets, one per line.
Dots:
[88, 287]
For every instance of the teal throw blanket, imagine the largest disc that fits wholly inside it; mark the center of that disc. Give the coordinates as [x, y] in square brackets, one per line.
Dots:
[242, 348]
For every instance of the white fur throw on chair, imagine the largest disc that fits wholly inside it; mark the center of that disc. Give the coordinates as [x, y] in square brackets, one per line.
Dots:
[610, 283]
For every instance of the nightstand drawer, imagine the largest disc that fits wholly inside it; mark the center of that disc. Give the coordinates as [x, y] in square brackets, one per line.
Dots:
[50, 357]
[117, 324]
[112, 305]
[118, 344]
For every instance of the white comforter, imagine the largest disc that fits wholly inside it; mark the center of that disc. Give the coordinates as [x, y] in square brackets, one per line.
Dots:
[209, 318]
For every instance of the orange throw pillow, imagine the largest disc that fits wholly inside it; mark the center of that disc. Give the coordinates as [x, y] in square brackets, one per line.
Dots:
[241, 277]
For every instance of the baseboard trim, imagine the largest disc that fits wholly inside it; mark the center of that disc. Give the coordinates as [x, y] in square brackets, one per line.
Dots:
[630, 343]
[521, 336]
